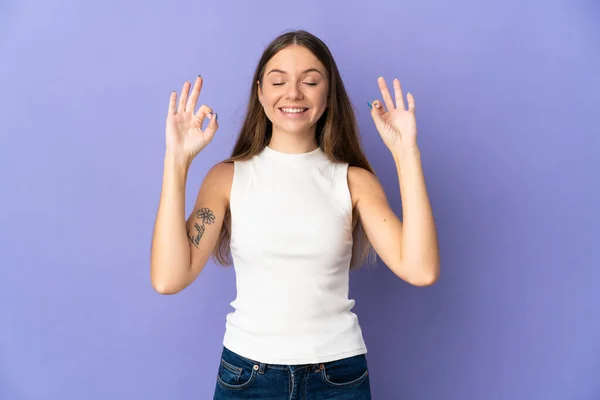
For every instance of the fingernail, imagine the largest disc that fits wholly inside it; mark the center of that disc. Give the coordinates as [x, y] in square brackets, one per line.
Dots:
[199, 76]
[370, 105]
[216, 116]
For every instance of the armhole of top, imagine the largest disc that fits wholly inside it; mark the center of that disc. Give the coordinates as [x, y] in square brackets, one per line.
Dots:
[342, 189]
[237, 171]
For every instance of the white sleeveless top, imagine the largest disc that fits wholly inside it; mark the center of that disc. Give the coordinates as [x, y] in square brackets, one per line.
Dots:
[291, 244]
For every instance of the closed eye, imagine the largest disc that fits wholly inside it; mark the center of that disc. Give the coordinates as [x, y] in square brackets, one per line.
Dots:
[307, 83]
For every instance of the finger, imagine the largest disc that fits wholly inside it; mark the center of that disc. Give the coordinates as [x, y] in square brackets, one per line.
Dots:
[378, 107]
[376, 113]
[411, 102]
[193, 100]
[185, 90]
[203, 112]
[399, 95]
[212, 127]
[172, 103]
[387, 97]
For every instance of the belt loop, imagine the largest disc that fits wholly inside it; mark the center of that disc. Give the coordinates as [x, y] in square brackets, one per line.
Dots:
[261, 368]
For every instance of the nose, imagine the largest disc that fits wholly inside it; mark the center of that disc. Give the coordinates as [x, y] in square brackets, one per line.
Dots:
[293, 92]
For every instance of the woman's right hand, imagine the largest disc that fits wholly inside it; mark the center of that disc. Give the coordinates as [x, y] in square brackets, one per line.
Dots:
[184, 135]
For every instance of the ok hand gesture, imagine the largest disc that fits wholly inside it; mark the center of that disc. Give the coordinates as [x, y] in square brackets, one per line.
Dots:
[396, 125]
[184, 135]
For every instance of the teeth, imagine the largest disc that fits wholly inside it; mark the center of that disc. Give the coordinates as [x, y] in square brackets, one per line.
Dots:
[293, 110]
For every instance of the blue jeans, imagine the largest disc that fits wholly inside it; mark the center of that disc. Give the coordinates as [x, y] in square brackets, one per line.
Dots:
[241, 378]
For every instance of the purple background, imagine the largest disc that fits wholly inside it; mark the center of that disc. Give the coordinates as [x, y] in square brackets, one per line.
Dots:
[509, 139]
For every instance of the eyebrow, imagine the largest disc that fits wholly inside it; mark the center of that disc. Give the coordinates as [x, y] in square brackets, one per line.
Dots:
[304, 72]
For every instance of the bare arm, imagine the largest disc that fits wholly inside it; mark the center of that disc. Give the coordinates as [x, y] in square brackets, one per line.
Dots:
[420, 248]
[203, 226]
[410, 250]
[181, 248]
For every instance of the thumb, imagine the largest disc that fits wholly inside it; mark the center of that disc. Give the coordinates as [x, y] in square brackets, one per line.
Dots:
[376, 113]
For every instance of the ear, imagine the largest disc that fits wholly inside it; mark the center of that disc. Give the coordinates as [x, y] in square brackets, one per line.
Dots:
[259, 91]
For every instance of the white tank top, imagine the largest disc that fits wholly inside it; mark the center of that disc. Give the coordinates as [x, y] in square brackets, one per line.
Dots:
[291, 244]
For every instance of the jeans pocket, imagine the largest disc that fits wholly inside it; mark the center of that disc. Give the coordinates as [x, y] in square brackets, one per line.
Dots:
[235, 373]
[345, 373]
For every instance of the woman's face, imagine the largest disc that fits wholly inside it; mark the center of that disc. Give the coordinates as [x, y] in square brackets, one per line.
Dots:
[294, 90]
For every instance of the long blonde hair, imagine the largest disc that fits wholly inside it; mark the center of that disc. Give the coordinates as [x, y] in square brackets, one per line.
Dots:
[336, 134]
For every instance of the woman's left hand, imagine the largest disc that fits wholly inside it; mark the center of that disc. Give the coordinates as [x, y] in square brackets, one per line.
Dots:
[396, 125]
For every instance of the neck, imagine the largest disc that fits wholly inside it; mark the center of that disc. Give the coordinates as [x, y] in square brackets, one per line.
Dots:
[293, 143]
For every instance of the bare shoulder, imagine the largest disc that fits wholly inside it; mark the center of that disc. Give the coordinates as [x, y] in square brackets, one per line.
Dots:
[360, 176]
[220, 177]
[221, 170]
[362, 182]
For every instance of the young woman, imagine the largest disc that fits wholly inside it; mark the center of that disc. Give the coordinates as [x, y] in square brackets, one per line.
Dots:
[294, 208]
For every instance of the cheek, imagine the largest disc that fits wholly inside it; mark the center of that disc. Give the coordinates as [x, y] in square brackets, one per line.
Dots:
[269, 100]
[321, 104]
[268, 104]
[322, 99]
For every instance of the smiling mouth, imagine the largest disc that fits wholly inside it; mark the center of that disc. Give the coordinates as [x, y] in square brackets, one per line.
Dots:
[293, 111]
